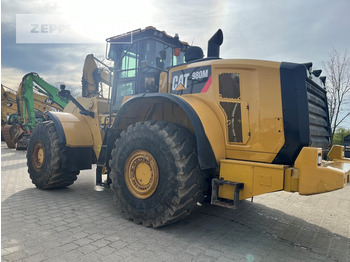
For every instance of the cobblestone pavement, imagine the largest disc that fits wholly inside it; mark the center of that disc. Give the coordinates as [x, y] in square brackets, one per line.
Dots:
[83, 223]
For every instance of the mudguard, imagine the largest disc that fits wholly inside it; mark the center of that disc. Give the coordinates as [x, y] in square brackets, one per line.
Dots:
[73, 130]
[206, 126]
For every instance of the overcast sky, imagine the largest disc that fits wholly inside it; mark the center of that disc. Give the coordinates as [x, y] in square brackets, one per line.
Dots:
[291, 31]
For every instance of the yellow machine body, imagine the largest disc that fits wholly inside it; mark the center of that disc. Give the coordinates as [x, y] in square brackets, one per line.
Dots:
[307, 176]
[81, 130]
[245, 127]
[339, 161]
[247, 161]
[174, 121]
[261, 109]
[258, 178]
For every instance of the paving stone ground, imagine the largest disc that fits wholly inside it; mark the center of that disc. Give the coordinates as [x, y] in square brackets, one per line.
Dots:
[83, 223]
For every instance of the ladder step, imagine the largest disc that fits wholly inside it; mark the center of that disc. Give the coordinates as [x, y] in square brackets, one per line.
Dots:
[215, 193]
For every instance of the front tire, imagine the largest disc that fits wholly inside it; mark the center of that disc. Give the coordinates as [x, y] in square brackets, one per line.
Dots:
[47, 159]
[155, 173]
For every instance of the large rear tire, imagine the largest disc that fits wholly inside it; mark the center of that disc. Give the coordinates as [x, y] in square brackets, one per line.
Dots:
[155, 173]
[47, 159]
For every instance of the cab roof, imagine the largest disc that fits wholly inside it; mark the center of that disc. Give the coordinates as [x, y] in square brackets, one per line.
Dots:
[148, 32]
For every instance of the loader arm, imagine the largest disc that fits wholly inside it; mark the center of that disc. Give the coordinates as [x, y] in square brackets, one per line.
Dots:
[93, 76]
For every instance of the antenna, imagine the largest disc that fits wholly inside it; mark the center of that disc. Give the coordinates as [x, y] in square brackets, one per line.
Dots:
[193, 39]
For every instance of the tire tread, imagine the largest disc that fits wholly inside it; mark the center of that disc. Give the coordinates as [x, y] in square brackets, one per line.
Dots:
[55, 175]
[191, 180]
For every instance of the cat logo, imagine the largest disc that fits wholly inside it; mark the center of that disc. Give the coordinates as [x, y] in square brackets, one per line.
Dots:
[191, 80]
[180, 82]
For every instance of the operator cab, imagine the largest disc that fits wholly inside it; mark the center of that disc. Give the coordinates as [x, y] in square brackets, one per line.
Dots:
[12, 119]
[139, 58]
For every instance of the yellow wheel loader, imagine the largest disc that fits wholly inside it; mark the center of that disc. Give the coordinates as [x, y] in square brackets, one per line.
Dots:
[179, 127]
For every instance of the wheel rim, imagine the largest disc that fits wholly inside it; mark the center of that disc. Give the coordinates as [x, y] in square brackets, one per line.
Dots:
[141, 174]
[38, 155]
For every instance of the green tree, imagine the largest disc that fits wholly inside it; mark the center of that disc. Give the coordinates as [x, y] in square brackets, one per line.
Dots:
[339, 135]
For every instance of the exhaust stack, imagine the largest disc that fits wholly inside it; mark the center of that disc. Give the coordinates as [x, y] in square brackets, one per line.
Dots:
[214, 44]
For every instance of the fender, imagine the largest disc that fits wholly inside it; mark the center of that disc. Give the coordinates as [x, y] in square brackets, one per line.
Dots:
[190, 113]
[70, 129]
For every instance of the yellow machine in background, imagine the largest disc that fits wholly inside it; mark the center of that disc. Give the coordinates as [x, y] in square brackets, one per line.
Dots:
[30, 109]
[180, 122]
[95, 74]
[8, 104]
[8, 107]
[94, 77]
